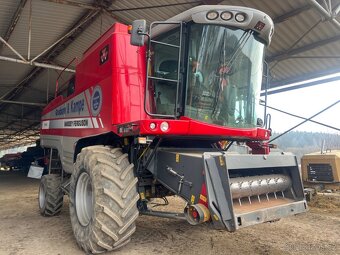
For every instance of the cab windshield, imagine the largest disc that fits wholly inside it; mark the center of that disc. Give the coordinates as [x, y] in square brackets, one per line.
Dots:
[224, 76]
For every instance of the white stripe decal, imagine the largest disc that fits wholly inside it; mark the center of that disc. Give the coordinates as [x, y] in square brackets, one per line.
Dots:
[88, 102]
[101, 123]
[88, 96]
[95, 123]
[67, 123]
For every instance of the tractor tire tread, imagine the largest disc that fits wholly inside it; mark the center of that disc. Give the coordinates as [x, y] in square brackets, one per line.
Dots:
[115, 206]
[54, 195]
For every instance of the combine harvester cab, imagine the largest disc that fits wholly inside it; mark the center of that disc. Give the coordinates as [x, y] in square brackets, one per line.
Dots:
[225, 47]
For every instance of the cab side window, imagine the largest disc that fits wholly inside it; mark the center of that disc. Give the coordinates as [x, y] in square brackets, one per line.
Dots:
[71, 86]
[164, 70]
[67, 89]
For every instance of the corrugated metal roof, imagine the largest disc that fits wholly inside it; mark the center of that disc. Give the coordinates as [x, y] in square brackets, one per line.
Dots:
[150, 14]
[12, 73]
[7, 9]
[50, 21]
[76, 49]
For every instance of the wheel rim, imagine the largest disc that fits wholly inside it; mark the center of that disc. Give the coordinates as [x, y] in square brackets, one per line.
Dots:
[42, 196]
[83, 199]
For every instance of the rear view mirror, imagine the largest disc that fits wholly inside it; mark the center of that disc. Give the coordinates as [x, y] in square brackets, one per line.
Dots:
[138, 32]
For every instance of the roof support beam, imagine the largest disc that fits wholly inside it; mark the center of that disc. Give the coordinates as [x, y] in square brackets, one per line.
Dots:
[27, 134]
[34, 126]
[29, 31]
[153, 6]
[291, 14]
[32, 62]
[12, 49]
[53, 53]
[77, 30]
[297, 41]
[49, 66]
[209, 2]
[49, 56]
[317, 57]
[6, 132]
[325, 13]
[303, 85]
[108, 13]
[14, 21]
[19, 120]
[305, 77]
[336, 10]
[19, 141]
[75, 4]
[68, 34]
[285, 55]
[18, 87]
[22, 103]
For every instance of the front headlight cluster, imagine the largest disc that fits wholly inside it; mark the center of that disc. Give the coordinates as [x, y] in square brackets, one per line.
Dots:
[226, 15]
[164, 126]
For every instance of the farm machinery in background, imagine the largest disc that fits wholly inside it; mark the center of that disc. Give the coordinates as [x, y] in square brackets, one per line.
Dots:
[321, 172]
[10, 161]
[23, 160]
[169, 111]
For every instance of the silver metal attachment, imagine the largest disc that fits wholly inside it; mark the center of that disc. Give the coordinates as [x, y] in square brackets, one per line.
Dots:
[84, 199]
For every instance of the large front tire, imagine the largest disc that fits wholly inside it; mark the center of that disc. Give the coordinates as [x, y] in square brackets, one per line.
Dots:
[103, 199]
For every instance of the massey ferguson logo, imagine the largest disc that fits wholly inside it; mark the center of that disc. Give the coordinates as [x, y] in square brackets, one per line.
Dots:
[96, 101]
[104, 55]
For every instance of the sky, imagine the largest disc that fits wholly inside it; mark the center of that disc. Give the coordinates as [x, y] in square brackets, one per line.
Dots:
[306, 102]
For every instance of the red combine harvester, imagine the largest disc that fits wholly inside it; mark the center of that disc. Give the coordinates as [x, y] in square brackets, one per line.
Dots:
[169, 111]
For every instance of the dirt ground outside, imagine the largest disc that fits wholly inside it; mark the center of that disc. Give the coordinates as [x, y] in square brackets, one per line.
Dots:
[24, 231]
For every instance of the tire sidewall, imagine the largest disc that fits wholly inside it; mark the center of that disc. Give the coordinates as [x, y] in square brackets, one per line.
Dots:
[84, 231]
[42, 186]
[93, 197]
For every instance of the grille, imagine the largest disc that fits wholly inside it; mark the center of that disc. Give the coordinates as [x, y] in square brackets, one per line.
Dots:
[320, 172]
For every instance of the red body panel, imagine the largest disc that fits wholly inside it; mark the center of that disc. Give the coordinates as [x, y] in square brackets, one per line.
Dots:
[120, 80]
[190, 127]
[128, 80]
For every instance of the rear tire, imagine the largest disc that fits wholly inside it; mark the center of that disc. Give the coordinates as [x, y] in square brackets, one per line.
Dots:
[103, 199]
[50, 195]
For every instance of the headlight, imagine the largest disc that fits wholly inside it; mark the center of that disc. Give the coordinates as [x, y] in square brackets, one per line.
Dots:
[240, 17]
[164, 126]
[152, 125]
[212, 15]
[226, 15]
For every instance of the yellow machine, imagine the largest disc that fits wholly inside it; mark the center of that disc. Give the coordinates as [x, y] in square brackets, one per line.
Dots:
[321, 170]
